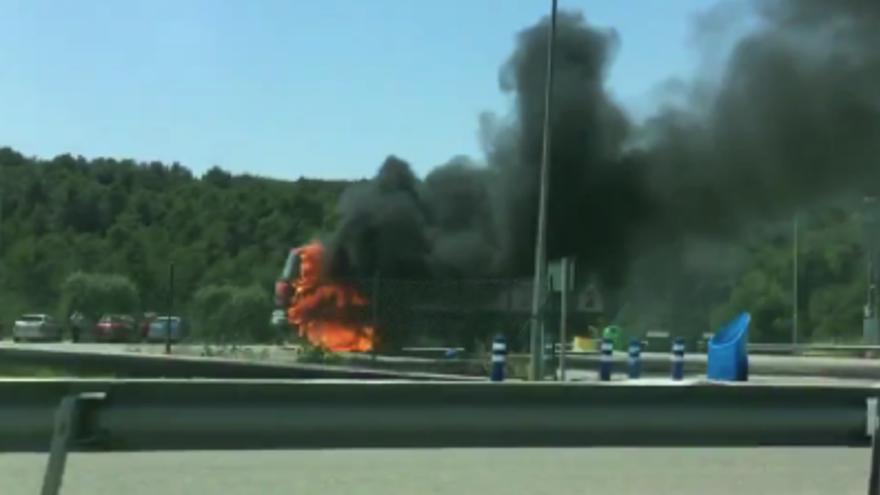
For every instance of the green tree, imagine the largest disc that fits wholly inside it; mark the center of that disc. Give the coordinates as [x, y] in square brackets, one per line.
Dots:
[69, 214]
[228, 314]
[96, 294]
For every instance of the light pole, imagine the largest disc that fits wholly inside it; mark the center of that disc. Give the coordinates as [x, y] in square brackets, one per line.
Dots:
[870, 327]
[794, 288]
[538, 289]
[2, 282]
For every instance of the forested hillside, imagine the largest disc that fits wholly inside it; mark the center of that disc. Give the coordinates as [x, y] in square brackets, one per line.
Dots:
[111, 216]
[108, 216]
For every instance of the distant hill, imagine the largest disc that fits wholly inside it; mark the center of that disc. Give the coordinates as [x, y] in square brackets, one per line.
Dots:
[131, 218]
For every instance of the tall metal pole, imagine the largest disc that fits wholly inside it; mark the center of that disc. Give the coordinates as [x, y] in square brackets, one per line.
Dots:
[563, 316]
[538, 289]
[794, 288]
[870, 326]
[170, 309]
[1, 235]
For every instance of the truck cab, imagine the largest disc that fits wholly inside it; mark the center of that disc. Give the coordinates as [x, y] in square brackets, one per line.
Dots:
[284, 283]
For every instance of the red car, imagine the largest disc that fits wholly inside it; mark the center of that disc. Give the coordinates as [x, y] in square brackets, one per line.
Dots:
[116, 328]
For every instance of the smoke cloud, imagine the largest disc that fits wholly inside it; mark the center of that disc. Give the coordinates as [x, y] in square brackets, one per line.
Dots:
[793, 119]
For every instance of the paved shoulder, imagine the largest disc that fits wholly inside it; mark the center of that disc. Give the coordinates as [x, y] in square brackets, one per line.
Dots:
[455, 472]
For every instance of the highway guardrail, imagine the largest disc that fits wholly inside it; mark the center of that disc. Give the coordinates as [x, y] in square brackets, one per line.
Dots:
[164, 366]
[153, 415]
[366, 366]
[795, 349]
[146, 415]
[653, 364]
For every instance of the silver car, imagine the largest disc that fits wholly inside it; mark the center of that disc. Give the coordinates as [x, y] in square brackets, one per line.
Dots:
[159, 327]
[36, 328]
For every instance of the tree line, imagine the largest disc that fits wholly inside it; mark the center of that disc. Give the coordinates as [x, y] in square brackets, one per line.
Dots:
[133, 220]
[108, 224]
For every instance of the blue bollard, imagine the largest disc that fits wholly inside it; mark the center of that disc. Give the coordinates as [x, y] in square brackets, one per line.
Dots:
[606, 360]
[678, 359]
[499, 359]
[635, 358]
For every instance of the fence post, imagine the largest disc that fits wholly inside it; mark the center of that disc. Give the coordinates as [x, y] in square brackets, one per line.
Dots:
[635, 358]
[499, 359]
[873, 431]
[170, 309]
[374, 306]
[549, 359]
[606, 360]
[678, 359]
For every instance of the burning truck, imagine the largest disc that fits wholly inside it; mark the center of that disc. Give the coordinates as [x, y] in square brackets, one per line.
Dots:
[339, 316]
[328, 315]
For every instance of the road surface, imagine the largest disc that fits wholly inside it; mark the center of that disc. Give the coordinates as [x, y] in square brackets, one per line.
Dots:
[455, 472]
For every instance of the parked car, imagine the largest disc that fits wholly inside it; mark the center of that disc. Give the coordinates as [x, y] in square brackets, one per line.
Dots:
[158, 329]
[144, 325]
[116, 328]
[36, 327]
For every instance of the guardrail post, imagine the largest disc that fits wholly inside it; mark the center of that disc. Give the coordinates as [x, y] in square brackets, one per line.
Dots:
[499, 359]
[635, 358]
[873, 430]
[606, 360]
[71, 423]
[678, 359]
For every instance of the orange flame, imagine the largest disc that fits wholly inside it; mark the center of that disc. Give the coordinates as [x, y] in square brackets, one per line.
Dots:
[318, 307]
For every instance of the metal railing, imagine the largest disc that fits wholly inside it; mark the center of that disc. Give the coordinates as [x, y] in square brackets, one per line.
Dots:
[797, 349]
[854, 350]
[430, 364]
[154, 415]
[141, 365]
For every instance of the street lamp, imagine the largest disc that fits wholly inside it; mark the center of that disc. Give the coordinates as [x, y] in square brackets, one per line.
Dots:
[794, 289]
[870, 327]
[538, 289]
[1, 235]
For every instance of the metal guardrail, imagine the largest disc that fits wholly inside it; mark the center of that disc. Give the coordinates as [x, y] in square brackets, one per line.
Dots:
[776, 348]
[783, 366]
[807, 348]
[653, 364]
[145, 415]
[368, 367]
[136, 365]
[152, 415]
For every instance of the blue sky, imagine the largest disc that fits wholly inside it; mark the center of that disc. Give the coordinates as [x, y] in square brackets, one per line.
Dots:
[288, 88]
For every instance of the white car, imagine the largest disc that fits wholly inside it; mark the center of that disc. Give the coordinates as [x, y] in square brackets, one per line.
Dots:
[36, 327]
[279, 317]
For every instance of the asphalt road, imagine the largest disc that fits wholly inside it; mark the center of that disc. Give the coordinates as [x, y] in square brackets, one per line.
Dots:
[454, 472]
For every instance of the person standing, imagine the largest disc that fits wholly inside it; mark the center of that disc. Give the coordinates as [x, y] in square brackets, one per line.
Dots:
[76, 323]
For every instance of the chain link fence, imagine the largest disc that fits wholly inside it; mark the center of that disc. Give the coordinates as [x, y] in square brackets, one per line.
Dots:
[463, 313]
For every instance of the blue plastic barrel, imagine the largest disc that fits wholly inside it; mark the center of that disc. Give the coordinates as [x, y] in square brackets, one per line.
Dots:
[728, 351]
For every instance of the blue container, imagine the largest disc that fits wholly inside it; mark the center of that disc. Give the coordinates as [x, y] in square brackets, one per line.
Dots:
[728, 351]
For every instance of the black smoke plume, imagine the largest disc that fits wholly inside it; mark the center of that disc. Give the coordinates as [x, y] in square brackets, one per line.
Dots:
[793, 119]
